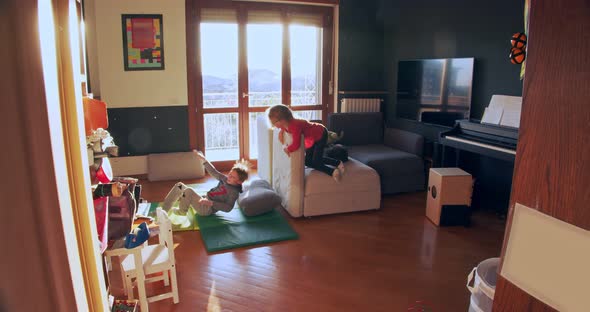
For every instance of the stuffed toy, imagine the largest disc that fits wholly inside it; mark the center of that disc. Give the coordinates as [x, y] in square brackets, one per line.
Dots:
[517, 56]
[338, 152]
[333, 150]
[518, 41]
[100, 142]
[518, 48]
[334, 137]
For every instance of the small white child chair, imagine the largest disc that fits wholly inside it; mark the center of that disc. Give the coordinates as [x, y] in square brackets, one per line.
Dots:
[156, 258]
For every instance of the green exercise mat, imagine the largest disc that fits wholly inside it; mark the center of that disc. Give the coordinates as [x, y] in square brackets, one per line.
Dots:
[222, 230]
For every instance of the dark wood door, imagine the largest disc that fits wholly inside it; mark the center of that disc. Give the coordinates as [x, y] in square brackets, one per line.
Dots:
[552, 168]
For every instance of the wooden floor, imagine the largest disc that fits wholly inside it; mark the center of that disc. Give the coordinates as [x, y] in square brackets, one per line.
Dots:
[385, 260]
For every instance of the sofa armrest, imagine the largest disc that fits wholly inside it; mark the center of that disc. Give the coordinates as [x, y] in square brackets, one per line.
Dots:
[265, 143]
[288, 174]
[404, 140]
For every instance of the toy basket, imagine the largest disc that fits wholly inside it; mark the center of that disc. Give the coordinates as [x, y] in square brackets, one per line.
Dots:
[121, 305]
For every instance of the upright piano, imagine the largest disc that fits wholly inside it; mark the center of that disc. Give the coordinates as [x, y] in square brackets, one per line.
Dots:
[488, 140]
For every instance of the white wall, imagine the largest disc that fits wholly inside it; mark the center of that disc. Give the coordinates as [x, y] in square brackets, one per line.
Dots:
[119, 88]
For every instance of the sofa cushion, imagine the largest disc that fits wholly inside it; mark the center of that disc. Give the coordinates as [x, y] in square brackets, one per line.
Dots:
[174, 166]
[358, 128]
[386, 160]
[358, 190]
[258, 198]
[403, 140]
[358, 177]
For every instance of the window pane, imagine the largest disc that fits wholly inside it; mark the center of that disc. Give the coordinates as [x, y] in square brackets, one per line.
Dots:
[264, 64]
[222, 136]
[219, 63]
[312, 115]
[305, 65]
[254, 134]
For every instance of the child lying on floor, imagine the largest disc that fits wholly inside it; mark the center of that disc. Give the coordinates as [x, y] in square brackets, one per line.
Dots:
[220, 198]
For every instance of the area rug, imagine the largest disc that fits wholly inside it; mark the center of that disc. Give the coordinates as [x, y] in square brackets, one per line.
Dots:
[223, 231]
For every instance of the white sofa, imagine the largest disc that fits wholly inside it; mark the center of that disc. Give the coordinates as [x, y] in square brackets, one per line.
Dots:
[308, 192]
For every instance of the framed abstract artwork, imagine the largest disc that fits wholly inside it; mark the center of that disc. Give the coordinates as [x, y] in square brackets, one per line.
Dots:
[143, 41]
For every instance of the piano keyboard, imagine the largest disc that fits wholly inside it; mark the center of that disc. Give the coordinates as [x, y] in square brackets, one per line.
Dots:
[500, 149]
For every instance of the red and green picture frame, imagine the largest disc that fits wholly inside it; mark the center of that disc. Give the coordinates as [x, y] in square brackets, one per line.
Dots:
[143, 41]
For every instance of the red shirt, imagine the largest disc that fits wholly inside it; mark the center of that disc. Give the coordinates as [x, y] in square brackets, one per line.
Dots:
[312, 132]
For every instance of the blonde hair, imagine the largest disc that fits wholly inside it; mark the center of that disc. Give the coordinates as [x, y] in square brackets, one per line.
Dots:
[280, 112]
[242, 168]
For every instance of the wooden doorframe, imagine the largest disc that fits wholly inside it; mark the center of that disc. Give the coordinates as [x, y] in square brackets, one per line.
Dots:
[243, 82]
[551, 172]
[196, 110]
[50, 252]
[194, 80]
[286, 60]
[76, 155]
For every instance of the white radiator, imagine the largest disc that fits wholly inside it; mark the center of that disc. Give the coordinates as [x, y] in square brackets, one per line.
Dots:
[350, 105]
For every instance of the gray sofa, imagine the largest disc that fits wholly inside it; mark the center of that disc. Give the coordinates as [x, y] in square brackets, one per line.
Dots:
[395, 154]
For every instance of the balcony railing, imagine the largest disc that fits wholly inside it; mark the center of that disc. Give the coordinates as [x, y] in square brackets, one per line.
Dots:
[222, 131]
[258, 99]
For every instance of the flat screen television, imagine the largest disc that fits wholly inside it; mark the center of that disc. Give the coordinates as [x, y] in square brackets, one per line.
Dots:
[434, 91]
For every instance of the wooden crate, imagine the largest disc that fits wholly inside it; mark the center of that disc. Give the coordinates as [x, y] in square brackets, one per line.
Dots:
[449, 190]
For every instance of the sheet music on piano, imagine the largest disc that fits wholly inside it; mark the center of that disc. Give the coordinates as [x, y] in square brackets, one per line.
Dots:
[503, 110]
[492, 115]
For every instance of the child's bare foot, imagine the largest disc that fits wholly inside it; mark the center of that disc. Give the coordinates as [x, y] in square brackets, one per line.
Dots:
[341, 168]
[336, 175]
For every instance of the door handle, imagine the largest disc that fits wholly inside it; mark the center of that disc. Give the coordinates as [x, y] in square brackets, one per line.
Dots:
[245, 94]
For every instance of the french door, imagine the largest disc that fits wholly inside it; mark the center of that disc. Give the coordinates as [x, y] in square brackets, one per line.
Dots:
[249, 56]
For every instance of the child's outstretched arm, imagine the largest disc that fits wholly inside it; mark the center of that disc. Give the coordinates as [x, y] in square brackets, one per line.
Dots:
[282, 136]
[209, 167]
[296, 141]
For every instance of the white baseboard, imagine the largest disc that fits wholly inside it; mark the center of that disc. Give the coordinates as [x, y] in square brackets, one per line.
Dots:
[131, 165]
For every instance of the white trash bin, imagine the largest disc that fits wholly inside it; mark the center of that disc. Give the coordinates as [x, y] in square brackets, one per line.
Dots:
[484, 286]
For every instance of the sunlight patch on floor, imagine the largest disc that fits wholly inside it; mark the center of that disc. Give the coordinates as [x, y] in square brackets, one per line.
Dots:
[213, 302]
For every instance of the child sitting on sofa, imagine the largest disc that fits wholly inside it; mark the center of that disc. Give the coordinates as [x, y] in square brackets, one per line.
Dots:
[220, 198]
[315, 136]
